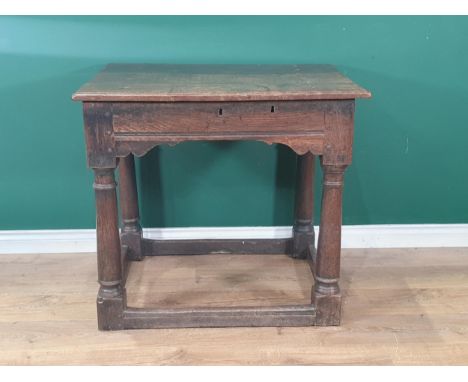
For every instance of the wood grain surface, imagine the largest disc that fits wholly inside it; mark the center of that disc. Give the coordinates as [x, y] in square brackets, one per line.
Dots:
[219, 117]
[164, 83]
[400, 306]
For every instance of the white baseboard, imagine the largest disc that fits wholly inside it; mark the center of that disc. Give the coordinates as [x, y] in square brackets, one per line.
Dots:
[362, 236]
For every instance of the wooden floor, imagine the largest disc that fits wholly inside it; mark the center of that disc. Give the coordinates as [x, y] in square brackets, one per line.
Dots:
[401, 306]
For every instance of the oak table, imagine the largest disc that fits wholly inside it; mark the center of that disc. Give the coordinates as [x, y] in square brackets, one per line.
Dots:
[131, 108]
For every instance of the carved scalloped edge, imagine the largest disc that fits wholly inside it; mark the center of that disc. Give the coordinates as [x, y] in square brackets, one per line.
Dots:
[298, 145]
[136, 148]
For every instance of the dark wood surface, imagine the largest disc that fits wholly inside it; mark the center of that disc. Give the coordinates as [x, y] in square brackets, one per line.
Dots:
[295, 315]
[129, 109]
[216, 117]
[172, 83]
[217, 246]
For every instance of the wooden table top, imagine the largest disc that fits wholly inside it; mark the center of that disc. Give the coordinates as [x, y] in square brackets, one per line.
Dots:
[173, 83]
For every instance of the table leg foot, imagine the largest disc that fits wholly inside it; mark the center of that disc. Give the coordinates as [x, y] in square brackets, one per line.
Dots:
[133, 241]
[110, 307]
[303, 242]
[327, 300]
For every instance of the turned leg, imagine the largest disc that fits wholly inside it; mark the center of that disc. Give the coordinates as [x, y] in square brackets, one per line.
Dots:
[131, 229]
[326, 294]
[303, 230]
[111, 296]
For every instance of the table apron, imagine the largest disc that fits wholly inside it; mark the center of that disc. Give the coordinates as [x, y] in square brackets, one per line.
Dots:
[117, 129]
[219, 117]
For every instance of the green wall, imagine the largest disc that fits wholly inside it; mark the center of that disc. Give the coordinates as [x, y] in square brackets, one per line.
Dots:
[411, 142]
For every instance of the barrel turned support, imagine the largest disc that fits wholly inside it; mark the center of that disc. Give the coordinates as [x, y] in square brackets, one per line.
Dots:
[131, 234]
[303, 229]
[111, 295]
[326, 292]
